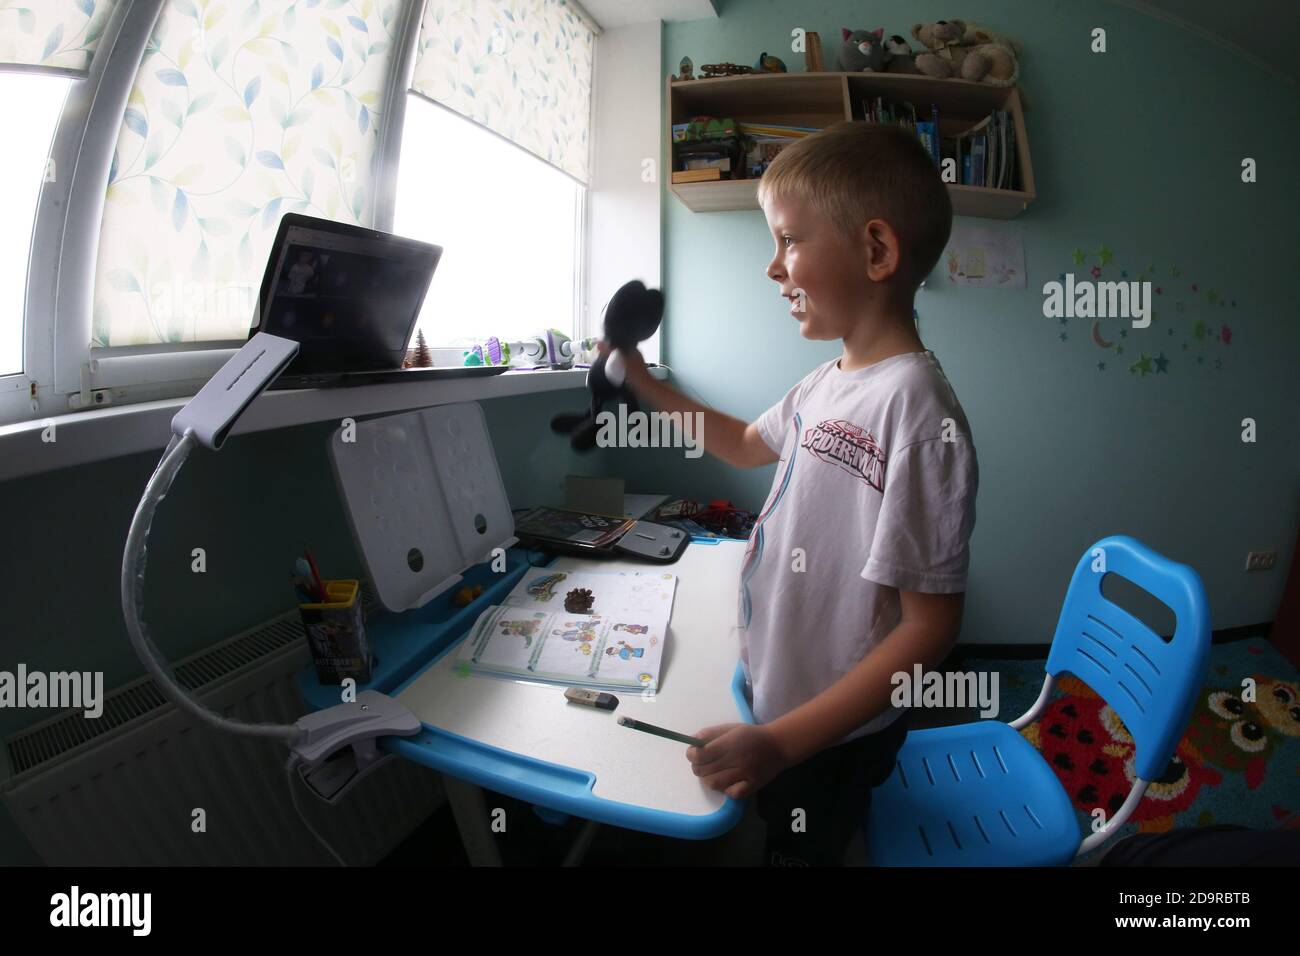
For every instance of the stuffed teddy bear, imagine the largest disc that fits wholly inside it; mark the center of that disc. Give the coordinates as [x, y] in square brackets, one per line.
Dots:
[861, 51]
[967, 52]
[631, 317]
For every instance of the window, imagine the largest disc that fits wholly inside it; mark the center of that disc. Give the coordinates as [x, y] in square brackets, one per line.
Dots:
[33, 103]
[192, 126]
[240, 113]
[509, 224]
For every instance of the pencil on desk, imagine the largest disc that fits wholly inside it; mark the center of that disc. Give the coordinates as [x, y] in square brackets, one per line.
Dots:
[659, 731]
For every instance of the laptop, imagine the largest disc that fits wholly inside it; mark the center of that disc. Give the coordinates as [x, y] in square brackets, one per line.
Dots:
[350, 298]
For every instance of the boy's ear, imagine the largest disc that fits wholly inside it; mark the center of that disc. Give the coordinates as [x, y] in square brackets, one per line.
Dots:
[882, 250]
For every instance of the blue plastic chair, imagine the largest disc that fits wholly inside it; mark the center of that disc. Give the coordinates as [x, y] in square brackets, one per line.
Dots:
[979, 794]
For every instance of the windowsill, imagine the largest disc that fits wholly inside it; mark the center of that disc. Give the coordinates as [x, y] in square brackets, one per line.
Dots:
[100, 433]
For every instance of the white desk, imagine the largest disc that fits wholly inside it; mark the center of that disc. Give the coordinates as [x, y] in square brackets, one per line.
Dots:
[526, 740]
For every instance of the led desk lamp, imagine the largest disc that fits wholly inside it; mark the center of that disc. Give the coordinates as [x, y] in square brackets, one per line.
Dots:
[207, 420]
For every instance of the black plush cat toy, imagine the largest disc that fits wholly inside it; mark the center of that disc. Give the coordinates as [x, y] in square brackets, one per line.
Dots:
[631, 317]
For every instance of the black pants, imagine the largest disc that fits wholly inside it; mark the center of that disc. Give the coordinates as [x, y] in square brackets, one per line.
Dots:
[833, 788]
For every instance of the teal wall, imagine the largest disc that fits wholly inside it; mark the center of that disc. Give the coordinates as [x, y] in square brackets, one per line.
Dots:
[1138, 148]
[252, 507]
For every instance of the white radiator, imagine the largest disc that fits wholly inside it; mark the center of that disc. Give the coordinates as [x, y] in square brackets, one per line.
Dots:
[121, 790]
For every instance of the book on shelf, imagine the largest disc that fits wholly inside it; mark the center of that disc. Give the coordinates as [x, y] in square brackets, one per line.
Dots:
[880, 110]
[712, 174]
[708, 161]
[776, 130]
[986, 153]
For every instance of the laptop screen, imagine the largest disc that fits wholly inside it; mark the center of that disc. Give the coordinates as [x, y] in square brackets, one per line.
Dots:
[350, 297]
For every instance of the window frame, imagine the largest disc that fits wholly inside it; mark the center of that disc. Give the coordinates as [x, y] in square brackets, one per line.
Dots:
[61, 372]
[50, 323]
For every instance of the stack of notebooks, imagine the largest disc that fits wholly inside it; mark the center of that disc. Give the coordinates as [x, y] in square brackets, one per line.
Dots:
[605, 631]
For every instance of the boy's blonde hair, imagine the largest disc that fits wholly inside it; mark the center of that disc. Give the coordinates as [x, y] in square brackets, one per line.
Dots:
[853, 172]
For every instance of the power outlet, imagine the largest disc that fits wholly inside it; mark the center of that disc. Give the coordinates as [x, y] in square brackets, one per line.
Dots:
[1260, 560]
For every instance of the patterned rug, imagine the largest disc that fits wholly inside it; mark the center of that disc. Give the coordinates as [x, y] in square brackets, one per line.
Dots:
[1238, 762]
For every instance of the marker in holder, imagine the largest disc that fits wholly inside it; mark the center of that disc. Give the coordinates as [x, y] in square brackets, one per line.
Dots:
[336, 633]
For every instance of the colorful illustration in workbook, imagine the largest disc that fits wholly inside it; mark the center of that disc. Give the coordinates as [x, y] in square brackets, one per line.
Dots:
[583, 630]
[525, 629]
[625, 650]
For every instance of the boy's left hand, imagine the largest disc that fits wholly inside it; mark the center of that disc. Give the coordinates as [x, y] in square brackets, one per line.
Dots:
[739, 759]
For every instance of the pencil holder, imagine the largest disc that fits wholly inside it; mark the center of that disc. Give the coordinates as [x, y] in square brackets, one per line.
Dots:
[336, 633]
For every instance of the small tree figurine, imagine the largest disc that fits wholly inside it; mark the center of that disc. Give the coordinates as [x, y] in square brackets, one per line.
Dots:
[419, 356]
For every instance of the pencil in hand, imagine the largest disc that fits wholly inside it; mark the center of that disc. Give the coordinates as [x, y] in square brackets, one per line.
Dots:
[660, 731]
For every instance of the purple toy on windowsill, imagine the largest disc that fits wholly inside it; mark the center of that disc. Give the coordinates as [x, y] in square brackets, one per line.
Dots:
[498, 353]
[631, 317]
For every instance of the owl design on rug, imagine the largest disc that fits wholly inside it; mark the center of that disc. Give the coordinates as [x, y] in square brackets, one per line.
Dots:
[1238, 735]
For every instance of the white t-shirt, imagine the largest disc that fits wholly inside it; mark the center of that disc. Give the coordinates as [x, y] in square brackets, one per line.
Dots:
[876, 484]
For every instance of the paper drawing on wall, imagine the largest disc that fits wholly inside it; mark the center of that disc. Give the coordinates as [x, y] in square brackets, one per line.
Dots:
[985, 258]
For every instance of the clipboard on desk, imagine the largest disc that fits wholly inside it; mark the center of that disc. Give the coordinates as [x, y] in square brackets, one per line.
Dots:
[589, 535]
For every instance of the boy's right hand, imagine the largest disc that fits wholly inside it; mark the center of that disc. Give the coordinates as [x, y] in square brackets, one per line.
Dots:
[636, 371]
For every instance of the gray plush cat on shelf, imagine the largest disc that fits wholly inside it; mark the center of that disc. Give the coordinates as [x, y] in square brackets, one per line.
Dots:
[861, 51]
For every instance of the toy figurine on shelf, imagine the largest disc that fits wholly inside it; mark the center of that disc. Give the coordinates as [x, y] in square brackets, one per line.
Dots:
[552, 347]
[549, 348]
[769, 64]
[711, 70]
[685, 68]
[491, 352]
[555, 349]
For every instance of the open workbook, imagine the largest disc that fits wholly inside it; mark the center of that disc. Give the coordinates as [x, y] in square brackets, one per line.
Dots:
[610, 637]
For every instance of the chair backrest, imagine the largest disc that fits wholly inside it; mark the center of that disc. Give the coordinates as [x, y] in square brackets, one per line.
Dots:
[1150, 682]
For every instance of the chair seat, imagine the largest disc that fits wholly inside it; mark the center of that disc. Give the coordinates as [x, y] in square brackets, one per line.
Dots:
[976, 794]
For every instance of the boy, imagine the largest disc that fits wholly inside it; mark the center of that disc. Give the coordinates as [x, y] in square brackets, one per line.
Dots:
[856, 568]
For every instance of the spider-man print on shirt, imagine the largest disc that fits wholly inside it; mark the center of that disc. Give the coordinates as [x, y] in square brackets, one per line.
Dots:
[849, 447]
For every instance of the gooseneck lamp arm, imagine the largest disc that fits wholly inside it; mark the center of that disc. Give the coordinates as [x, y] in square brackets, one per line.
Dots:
[206, 419]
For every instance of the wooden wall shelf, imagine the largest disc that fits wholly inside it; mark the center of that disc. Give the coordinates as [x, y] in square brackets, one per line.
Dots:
[820, 99]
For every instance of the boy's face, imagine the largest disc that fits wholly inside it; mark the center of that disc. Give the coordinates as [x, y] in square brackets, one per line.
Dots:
[815, 257]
